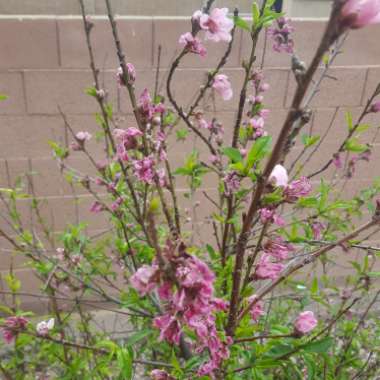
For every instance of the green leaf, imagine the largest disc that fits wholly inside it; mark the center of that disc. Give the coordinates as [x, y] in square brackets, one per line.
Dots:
[140, 335]
[258, 151]
[319, 346]
[233, 154]
[241, 23]
[309, 140]
[91, 91]
[349, 121]
[255, 13]
[3, 97]
[280, 350]
[181, 134]
[353, 145]
[125, 363]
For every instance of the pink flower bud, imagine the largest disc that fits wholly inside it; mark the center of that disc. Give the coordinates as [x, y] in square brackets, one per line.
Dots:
[279, 176]
[357, 14]
[375, 107]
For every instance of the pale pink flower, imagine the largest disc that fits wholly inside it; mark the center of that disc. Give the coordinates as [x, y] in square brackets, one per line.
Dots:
[83, 136]
[217, 25]
[144, 280]
[257, 309]
[44, 327]
[222, 86]
[278, 248]
[297, 189]
[192, 44]
[263, 113]
[305, 322]
[279, 176]
[359, 13]
[267, 269]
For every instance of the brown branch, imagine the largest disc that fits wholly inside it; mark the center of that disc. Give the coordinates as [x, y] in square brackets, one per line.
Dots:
[295, 112]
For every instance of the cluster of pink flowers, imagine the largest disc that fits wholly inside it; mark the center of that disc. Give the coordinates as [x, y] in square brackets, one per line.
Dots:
[359, 13]
[12, 327]
[192, 44]
[147, 108]
[231, 182]
[257, 113]
[269, 215]
[281, 36]
[292, 191]
[131, 71]
[126, 140]
[267, 268]
[269, 265]
[189, 302]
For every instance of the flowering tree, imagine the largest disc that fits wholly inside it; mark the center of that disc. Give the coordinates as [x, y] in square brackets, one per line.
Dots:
[235, 306]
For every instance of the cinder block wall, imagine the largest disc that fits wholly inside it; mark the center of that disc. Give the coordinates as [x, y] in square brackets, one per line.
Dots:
[44, 64]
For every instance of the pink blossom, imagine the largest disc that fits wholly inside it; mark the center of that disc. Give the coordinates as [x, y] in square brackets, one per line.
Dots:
[222, 86]
[267, 269]
[144, 169]
[144, 280]
[257, 123]
[169, 327]
[257, 309]
[214, 159]
[12, 327]
[116, 204]
[278, 248]
[317, 228]
[281, 36]
[44, 327]
[375, 107]
[305, 322]
[279, 176]
[264, 87]
[359, 13]
[337, 161]
[264, 113]
[231, 183]
[158, 374]
[96, 207]
[192, 44]
[297, 189]
[268, 215]
[131, 75]
[217, 25]
[83, 136]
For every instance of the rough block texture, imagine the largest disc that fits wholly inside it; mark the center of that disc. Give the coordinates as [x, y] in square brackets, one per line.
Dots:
[44, 64]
